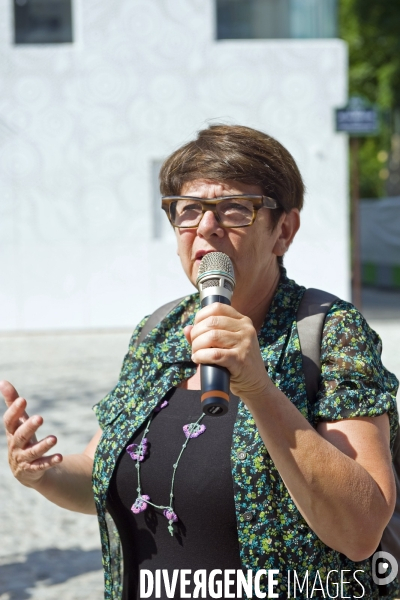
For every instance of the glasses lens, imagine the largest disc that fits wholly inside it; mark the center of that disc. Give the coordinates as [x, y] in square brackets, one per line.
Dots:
[235, 212]
[186, 213]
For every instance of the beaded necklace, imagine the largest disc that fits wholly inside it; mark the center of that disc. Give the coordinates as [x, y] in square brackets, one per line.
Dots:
[138, 453]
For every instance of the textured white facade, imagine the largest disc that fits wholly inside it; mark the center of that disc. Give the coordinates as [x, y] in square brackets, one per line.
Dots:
[82, 127]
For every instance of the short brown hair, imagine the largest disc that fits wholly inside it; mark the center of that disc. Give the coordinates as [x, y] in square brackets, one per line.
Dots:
[234, 152]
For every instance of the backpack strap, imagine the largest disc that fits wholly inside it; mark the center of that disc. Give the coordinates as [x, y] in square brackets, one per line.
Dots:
[156, 317]
[311, 314]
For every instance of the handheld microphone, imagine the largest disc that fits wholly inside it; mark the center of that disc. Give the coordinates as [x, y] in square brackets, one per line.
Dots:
[215, 282]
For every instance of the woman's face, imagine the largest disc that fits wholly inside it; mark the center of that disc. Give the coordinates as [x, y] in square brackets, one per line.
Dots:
[253, 250]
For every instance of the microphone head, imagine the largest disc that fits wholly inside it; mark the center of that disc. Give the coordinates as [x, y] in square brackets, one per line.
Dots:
[216, 275]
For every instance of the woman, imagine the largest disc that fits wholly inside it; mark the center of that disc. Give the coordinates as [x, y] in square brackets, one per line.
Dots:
[303, 490]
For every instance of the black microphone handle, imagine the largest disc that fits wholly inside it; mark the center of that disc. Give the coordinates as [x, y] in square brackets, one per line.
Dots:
[214, 379]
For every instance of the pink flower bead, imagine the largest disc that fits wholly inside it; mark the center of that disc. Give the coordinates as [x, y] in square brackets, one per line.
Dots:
[133, 450]
[170, 515]
[192, 430]
[140, 505]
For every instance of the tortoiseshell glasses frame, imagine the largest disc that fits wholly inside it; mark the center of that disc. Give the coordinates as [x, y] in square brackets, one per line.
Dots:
[186, 212]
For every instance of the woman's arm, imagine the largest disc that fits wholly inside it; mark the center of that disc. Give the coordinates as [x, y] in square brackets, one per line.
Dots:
[66, 481]
[340, 477]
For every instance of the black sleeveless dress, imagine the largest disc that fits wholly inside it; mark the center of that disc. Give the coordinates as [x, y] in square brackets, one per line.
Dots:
[205, 535]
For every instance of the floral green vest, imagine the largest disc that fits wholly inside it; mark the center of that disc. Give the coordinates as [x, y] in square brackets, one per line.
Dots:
[272, 534]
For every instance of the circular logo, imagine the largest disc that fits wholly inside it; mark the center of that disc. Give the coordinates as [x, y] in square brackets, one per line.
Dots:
[384, 568]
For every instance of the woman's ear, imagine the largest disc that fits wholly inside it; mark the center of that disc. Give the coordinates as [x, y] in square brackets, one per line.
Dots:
[287, 228]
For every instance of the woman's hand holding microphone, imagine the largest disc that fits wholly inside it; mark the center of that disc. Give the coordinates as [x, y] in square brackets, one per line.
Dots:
[222, 336]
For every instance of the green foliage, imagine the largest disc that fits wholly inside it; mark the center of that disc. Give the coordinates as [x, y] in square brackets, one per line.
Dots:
[372, 30]
[371, 184]
[382, 20]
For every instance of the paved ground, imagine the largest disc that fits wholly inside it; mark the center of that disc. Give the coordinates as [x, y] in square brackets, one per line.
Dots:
[47, 553]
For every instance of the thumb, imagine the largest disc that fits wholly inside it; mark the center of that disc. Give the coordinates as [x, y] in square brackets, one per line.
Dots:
[9, 392]
[187, 331]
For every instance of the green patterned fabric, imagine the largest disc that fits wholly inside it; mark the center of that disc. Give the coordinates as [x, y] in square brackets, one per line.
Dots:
[272, 534]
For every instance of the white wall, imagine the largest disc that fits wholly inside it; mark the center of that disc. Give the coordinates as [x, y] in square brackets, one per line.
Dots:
[82, 124]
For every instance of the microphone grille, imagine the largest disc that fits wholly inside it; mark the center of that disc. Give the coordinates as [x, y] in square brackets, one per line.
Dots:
[216, 261]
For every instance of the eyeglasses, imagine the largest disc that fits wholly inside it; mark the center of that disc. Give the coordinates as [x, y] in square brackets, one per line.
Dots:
[229, 211]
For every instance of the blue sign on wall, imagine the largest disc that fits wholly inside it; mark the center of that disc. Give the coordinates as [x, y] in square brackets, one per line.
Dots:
[357, 119]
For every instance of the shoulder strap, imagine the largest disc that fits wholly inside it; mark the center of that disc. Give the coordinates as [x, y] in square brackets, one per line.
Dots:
[311, 314]
[156, 317]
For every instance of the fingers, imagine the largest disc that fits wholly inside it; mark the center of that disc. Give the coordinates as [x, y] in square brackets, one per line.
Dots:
[45, 463]
[213, 356]
[34, 455]
[218, 322]
[224, 347]
[9, 392]
[215, 338]
[219, 316]
[220, 330]
[216, 309]
[26, 455]
[29, 462]
[186, 332]
[25, 433]
[27, 459]
[223, 336]
[15, 415]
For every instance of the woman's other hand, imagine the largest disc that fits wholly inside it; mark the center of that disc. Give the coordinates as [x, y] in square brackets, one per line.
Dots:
[222, 336]
[25, 454]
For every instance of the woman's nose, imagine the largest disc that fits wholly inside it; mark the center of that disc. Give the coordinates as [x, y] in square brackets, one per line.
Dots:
[209, 225]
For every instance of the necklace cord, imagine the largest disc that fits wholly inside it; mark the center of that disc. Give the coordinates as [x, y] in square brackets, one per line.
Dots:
[144, 500]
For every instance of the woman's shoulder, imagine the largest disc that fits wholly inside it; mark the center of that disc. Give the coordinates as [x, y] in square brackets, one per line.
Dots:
[354, 382]
[346, 326]
[350, 342]
[163, 341]
[175, 313]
